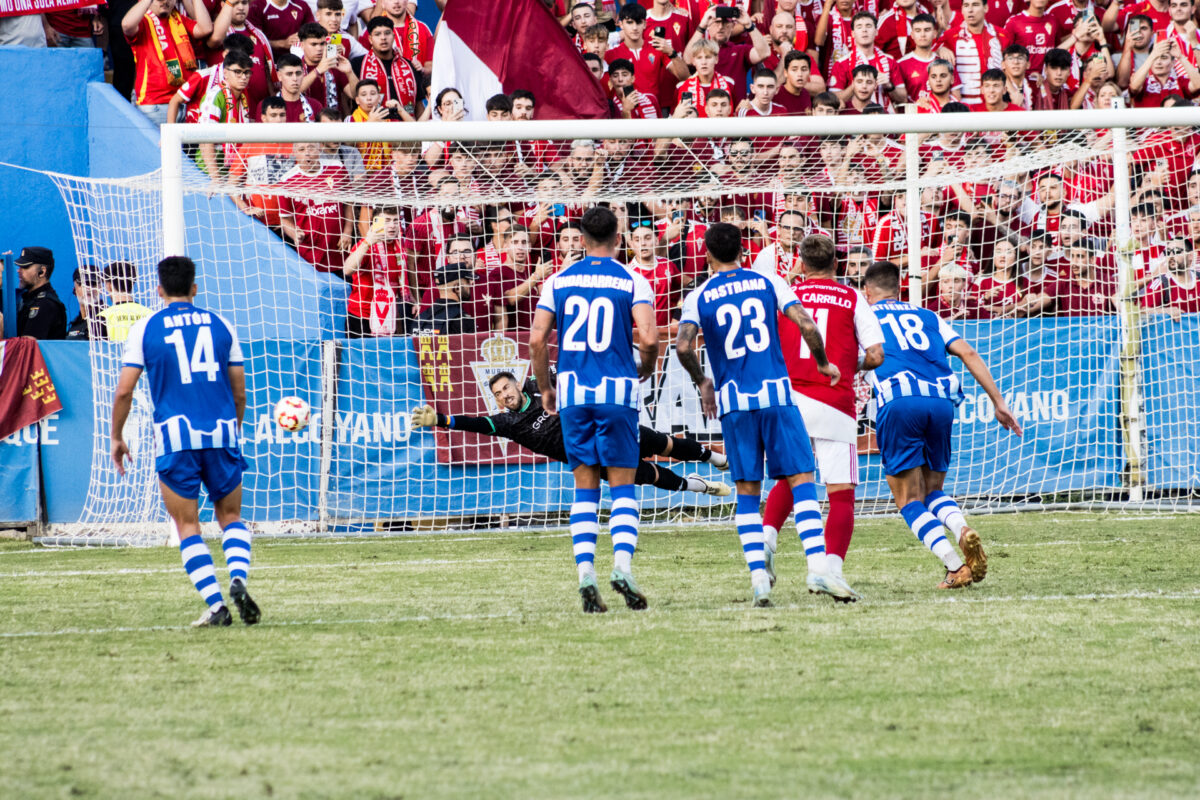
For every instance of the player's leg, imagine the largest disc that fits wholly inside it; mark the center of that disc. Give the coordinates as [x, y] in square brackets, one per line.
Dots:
[951, 516]
[901, 430]
[744, 446]
[583, 460]
[179, 482]
[651, 474]
[617, 441]
[775, 514]
[838, 465]
[679, 448]
[223, 478]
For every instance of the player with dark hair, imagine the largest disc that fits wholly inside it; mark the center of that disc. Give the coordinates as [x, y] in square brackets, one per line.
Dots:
[738, 309]
[527, 423]
[916, 393]
[198, 385]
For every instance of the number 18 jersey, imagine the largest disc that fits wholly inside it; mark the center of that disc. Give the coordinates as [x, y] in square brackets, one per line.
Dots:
[592, 301]
[915, 361]
[186, 353]
[737, 310]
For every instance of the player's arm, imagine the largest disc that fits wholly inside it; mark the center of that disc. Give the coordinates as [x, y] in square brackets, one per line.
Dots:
[979, 370]
[539, 354]
[871, 358]
[426, 417]
[685, 351]
[122, 403]
[237, 382]
[647, 331]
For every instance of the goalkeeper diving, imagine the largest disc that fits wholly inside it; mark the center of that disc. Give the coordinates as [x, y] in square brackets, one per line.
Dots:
[525, 422]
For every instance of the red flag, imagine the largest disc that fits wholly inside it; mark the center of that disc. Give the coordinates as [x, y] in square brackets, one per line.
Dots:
[27, 394]
[488, 48]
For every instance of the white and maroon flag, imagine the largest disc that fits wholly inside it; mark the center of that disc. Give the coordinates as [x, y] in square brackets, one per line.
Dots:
[17, 8]
[488, 48]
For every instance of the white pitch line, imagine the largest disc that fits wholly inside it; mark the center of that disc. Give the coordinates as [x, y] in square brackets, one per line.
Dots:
[653, 612]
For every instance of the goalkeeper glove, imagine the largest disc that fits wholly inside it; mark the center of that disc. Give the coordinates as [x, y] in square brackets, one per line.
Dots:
[424, 417]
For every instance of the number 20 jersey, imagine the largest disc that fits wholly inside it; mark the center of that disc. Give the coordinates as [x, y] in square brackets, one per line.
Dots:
[737, 310]
[186, 353]
[915, 362]
[592, 301]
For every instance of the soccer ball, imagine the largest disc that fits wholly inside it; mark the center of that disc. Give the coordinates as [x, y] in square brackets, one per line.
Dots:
[291, 414]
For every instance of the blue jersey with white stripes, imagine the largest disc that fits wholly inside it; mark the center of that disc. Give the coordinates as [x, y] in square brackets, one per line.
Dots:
[186, 353]
[592, 301]
[916, 363]
[737, 310]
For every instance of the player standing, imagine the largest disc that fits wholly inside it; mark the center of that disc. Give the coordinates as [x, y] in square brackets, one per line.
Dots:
[916, 393]
[596, 303]
[847, 325]
[737, 309]
[198, 386]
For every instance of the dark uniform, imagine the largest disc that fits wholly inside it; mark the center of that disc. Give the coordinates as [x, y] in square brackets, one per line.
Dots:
[42, 314]
[93, 328]
[540, 432]
[445, 317]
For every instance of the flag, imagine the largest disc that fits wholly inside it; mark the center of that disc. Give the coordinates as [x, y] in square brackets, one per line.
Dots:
[487, 48]
[27, 394]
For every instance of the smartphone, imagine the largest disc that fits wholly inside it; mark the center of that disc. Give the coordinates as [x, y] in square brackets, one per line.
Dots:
[686, 97]
[627, 90]
[456, 104]
[727, 13]
[676, 215]
[333, 46]
[558, 209]
[660, 32]
[760, 215]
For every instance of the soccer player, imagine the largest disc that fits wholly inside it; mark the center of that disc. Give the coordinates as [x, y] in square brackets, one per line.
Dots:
[849, 328]
[527, 423]
[737, 310]
[596, 304]
[198, 386]
[916, 393]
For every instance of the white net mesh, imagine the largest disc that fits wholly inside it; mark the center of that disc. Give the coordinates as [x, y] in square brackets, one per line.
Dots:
[1018, 249]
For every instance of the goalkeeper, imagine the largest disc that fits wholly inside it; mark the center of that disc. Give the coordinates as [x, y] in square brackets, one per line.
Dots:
[525, 422]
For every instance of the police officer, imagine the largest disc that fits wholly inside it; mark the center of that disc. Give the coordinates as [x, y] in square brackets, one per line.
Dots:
[42, 314]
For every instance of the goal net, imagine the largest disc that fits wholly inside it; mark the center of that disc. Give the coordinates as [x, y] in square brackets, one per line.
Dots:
[372, 268]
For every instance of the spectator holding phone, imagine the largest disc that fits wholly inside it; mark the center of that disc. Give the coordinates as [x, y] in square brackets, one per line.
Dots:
[1176, 289]
[281, 21]
[734, 60]
[328, 76]
[702, 54]
[652, 60]
[1159, 76]
[381, 284]
[625, 96]
[387, 68]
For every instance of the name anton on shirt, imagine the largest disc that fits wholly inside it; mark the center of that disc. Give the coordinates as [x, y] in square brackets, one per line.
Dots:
[735, 287]
[189, 318]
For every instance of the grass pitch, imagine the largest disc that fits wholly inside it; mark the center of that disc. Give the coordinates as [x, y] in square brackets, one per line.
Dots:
[461, 666]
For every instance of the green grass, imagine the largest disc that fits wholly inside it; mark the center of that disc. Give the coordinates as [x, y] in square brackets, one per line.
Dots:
[460, 666]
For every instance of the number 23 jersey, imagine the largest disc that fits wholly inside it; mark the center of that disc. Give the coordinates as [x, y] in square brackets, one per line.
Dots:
[186, 353]
[737, 310]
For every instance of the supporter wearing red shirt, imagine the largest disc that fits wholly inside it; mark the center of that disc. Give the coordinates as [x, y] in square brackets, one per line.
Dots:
[914, 66]
[291, 74]
[734, 60]
[795, 99]
[651, 60]
[1052, 94]
[939, 88]
[1017, 84]
[782, 256]
[890, 82]
[834, 32]
[328, 81]
[625, 96]
[976, 45]
[999, 291]
[164, 51]
[677, 27]
[1035, 30]
[955, 299]
[895, 28]
[1039, 283]
[432, 229]
[460, 255]
[1176, 289]
[703, 55]
[381, 291]
[514, 286]
[1116, 16]
[233, 19]
[1156, 78]
[318, 225]
[1064, 13]
[660, 273]
[863, 90]
[803, 24]
[1088, 292]
[992, 94]
[413, 39]
[281, 22]
[762, 103]
[627, 165]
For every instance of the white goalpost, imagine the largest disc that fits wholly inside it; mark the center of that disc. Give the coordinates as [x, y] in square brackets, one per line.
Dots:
[1108, 399]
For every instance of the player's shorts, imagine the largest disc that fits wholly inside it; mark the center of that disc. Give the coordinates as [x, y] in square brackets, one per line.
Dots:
[219, 469]
[837, 462]
[778, 432]
[601, 435]
[915, 432]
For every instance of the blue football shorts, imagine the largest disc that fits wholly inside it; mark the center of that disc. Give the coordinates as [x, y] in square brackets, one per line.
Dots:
[777, 432]
[915, 432]
[601, 435]
[219, 469]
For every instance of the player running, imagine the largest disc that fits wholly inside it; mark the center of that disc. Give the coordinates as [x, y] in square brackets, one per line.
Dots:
[916, 393]
[849, 328]
[528, 424]
[198, 386]
[596, 304]
[738, 311]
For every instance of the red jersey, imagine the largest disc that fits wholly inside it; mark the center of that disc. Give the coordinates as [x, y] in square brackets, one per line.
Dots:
[383, 283]
[649, 67]
[321, 219]
[157, 41]
[969, 309]
[679, 29]
[847, 325]
[1037, 34]
[1161, 19]
[895, 32]
[889, 73]
[504, 279]
[279, 23]
[1093, 300]
[915, 72]
[1168, 291]
[794, 104]
[662, 278]
[263, 76]
[997, 295]
[734, 61]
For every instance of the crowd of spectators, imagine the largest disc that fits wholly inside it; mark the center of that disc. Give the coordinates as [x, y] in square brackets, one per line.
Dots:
[423, 251]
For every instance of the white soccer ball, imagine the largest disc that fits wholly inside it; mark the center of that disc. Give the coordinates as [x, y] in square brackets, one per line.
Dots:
[292, 414]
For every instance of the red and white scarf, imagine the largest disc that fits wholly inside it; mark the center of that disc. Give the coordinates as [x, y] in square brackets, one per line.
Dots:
[383, 295]
[409, 42]
[401, 74]
[843, 43]
[859, 217]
